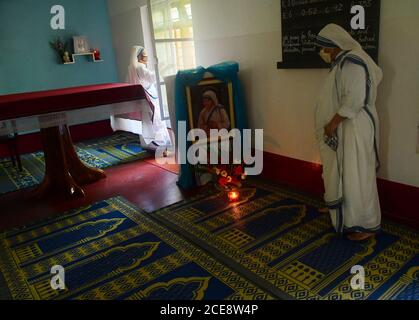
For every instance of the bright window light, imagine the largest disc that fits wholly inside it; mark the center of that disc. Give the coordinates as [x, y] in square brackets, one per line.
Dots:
[174, 13]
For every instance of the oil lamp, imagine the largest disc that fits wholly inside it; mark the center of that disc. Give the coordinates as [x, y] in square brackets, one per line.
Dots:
[233, 196]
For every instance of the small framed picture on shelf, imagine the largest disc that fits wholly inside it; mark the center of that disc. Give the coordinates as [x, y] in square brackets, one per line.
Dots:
[81, 45]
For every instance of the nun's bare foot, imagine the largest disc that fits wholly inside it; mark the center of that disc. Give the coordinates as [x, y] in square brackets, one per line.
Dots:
[361, 236]
[324, 210]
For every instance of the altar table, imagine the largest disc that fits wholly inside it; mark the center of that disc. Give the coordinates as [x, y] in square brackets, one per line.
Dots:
[65, 173]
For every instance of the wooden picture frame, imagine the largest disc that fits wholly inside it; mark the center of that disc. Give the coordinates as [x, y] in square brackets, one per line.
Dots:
[225, 97]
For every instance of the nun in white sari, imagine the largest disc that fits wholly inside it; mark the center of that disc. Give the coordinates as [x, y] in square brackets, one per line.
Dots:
[154, 130]
[347, 130]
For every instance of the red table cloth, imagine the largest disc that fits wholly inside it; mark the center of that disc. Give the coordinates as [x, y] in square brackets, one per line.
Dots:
[36, 103]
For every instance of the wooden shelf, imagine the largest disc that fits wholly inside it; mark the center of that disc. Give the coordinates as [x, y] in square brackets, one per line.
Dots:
[83, 54]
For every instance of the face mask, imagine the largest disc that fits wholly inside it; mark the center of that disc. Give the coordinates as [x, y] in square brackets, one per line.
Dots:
[327, 57]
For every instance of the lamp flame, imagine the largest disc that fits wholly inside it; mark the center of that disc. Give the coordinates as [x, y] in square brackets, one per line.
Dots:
[233, 196]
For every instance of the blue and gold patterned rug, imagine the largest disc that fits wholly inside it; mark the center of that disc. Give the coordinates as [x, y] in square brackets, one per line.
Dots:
[273, 244]
[101, 153]
[111, 250]
[282, 239]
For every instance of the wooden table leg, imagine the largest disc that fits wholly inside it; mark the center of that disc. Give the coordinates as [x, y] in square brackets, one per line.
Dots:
[64, 171]
[80, 172]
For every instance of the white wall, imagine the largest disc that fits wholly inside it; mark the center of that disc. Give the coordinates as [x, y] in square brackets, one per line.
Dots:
[125, 18]
[398, 102]
[282, 102]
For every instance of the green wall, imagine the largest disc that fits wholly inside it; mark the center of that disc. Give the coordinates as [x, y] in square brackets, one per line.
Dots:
[28, 63]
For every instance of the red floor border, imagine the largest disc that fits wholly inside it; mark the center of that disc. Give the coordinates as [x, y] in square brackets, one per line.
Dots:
[399, 202]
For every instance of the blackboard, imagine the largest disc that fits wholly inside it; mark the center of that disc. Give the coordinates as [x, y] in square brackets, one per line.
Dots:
[302, 20]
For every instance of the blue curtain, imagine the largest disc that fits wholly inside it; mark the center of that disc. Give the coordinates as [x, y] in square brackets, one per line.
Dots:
[226, 72]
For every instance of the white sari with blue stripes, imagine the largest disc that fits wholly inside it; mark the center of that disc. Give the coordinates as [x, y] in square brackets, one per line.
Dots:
[349, 174]
[153, 129]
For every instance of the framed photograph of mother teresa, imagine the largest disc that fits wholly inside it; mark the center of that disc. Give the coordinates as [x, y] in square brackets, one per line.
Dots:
[211, 105]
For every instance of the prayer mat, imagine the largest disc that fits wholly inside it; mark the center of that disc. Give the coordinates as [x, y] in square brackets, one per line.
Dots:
[281, 241]
[100, 153]
[111, 250]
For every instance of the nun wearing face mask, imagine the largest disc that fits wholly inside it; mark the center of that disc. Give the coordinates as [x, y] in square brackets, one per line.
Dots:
[154, 130]
[347, 131]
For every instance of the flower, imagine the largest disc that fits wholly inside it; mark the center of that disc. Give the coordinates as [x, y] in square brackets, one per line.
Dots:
[59, 46]
[238, 171]
[223, 182]
[226, 177]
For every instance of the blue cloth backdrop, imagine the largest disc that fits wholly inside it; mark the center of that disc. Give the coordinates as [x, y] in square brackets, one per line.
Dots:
[227, 72]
